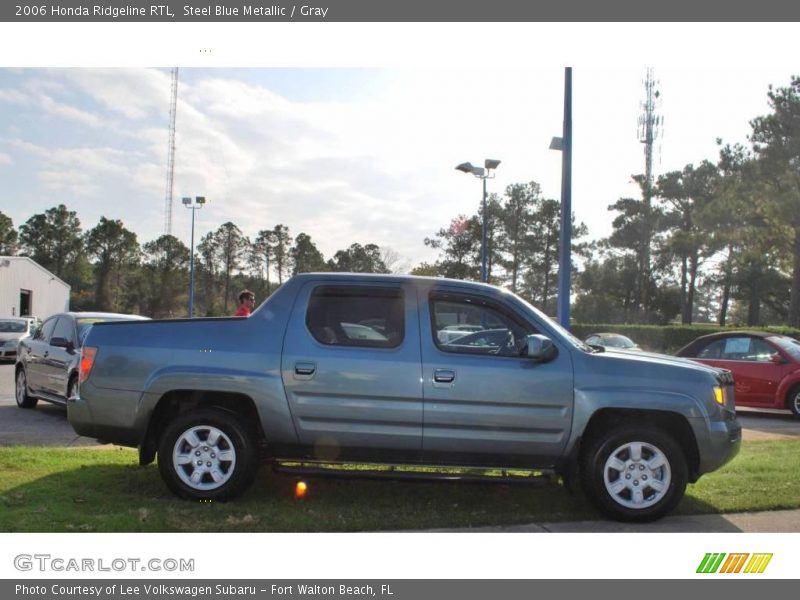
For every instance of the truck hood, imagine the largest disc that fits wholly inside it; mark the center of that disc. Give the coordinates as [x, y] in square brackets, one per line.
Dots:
[666, 360]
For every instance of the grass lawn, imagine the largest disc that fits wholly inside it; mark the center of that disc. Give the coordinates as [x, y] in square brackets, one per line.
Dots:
[104, 490]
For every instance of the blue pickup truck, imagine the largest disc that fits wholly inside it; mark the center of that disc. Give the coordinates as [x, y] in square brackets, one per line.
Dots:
[406, 376]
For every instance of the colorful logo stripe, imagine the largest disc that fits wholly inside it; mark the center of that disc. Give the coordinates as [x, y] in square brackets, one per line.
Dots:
[735, 562]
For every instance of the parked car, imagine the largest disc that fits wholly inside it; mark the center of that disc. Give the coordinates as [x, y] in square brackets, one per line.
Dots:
[765, 366]
[488, 341]
[47, 362]
[612, 341]
[449, 333]
[12, 330]
[293, 385]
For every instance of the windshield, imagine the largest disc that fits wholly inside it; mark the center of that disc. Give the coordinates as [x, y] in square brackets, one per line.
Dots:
[580, 345]
[618, 341]
[13, 326]
[85, 323]
[788, 345]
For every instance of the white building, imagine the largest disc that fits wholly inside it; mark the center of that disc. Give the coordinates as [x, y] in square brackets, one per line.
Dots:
[28, 289]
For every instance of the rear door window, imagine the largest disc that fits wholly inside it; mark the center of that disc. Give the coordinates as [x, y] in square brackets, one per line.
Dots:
[357, 316]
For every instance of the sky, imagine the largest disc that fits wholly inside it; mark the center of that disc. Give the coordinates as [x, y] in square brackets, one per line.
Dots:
[348, 155]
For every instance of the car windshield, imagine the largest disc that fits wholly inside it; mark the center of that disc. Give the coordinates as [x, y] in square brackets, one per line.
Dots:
[85, 323]
[618, 341]
[13, 326]
[789, 345]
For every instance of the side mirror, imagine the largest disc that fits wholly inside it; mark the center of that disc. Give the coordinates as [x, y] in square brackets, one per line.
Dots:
[540, 348]
[776, 359]
[60, 342]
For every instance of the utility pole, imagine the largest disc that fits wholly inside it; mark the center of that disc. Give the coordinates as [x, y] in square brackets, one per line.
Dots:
[565, 255]
[649, 126]
[173, 107]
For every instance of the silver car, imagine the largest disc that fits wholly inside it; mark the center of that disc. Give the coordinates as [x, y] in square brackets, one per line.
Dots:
[12, 330]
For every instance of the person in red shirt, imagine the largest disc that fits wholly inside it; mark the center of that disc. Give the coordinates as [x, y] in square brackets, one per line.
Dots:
[247, 301]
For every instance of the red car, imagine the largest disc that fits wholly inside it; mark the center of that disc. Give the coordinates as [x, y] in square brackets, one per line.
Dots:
[765, 366]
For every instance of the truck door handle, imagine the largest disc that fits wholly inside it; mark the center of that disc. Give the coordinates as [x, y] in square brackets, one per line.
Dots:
[305, 368]
[444, 376]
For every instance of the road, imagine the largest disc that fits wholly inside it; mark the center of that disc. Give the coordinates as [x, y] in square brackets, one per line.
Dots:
[47, 425]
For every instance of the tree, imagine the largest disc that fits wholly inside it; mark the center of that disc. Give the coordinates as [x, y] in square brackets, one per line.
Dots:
[53, 239]
[610, 290]
[231, 247]
[689, 195]
[458, 243]
[516, 221]
[776, 141]
[542, 253]
[8, 236]
[280, 250]
[627, 236]
[263, 248]
[208, 269]
[305, 257]
[393, 261]
[358, 259]
[165, 278]
[116, 252]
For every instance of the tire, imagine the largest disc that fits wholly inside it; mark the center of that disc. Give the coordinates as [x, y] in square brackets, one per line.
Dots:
[207, 454]
[793, 402]
[634, 473]
[24, 400]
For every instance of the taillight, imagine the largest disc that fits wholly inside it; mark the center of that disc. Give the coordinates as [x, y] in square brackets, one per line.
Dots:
[87, 362]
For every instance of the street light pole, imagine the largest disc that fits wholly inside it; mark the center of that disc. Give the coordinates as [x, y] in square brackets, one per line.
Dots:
[484, 173]
[564, 144]
[198, 203]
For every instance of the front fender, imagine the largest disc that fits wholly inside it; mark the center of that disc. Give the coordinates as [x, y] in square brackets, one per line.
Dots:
[589, 400]
[788, 382]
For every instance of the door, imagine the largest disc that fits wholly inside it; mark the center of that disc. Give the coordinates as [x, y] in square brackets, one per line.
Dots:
[56, 360]
[486, 404]
[34, 352]
[756, 374]
[352, 371]
[25, 303]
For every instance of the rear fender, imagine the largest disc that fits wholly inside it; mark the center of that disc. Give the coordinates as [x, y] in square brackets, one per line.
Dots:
[264, 389]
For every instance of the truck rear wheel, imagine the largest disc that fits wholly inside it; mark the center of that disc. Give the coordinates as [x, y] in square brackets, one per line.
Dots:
[207, 455]
[634, 472]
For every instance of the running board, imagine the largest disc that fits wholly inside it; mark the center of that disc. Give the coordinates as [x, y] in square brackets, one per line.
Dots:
[403, 471]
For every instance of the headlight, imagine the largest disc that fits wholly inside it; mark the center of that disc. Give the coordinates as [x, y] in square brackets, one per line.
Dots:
[719, 395]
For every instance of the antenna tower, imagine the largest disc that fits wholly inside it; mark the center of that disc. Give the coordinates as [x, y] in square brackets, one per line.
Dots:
[650, 126]
[173, 106]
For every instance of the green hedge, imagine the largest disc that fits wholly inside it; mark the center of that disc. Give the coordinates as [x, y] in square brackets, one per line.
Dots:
[670, 338]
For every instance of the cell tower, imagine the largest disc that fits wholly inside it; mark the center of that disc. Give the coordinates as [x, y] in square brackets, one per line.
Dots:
[173, 106]
[649, 128]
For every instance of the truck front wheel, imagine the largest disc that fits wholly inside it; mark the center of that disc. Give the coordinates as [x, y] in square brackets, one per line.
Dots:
[634, 472]
[207, 455]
